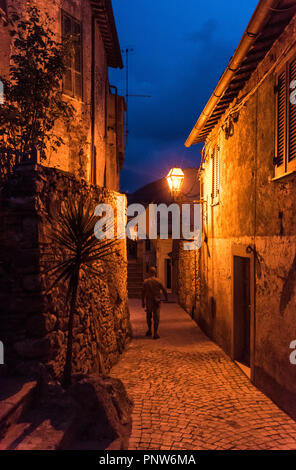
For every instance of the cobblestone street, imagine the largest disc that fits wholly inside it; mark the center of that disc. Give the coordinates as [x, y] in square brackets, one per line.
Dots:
[189, 395]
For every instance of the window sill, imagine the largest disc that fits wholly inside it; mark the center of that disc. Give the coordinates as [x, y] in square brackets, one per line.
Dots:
[3, 16]
[73, 98]
[276, 178]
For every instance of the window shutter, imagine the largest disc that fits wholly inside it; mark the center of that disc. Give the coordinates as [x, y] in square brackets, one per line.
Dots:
[73, 80]
[78, 84]
[281, 118]
[3, 6]
[217, 171]
[215, 175]
[292, 117]
[77, 60]
[68, 82]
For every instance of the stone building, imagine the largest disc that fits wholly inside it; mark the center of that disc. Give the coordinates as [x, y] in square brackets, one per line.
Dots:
[33, 317]
[177, 270]
[94, 144]
[248, 181]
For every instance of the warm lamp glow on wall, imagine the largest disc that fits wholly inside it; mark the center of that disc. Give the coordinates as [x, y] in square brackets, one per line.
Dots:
[175, 180]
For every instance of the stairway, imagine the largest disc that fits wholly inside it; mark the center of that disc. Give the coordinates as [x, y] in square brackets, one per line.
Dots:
[134, 279]
[27, 424]
[46, 417]
[16, 397]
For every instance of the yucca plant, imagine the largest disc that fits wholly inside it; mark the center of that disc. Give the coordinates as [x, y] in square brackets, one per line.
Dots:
[73, 235]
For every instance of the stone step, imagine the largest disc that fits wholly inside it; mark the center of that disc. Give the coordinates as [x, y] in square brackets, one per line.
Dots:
[16, 396]
[135, 273]
[135, 289]
[46, 434]
[60, 420]
[136, 292]
[134, 296]
[42, 427]
[137, 282]
[135, 267]
[140, 274]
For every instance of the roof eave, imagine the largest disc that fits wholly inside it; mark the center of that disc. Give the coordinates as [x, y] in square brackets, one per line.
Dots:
[103, 12]
[257, 21]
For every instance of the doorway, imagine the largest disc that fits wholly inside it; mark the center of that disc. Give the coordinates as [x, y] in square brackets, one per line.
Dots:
[242, 310]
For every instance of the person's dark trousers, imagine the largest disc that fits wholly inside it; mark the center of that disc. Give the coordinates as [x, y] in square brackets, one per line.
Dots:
[155, 313]
[149, 320]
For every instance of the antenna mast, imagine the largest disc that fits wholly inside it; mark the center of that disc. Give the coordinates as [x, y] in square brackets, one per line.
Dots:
[127, 95]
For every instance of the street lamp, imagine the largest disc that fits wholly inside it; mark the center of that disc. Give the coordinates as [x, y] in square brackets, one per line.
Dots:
[175, 180]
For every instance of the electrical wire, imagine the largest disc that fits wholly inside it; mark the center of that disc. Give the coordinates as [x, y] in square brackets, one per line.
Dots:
[282, 10]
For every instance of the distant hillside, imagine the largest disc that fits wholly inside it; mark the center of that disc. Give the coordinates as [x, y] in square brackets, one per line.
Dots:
[158, 191]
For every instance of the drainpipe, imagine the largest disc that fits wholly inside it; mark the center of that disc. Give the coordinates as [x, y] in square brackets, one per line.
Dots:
[258, 19]
[116, 109]
[93, 64]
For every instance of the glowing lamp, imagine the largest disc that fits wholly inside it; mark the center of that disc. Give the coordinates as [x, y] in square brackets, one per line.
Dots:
[175, 179]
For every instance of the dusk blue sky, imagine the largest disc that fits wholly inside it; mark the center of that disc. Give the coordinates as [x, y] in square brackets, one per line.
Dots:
[181, 48]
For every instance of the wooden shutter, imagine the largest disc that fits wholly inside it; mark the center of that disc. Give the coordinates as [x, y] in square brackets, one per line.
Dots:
[215, 176]
[68, 79]
[291, 121]
[3, 6]
[77, 59]
[217, 171]
[281, 119]
[73, 81]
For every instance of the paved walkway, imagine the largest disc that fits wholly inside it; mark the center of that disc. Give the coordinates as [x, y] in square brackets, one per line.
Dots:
[189, 395]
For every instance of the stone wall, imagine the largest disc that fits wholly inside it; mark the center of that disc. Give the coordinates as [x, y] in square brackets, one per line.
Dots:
[33, 319]
[255, 218]
[186, 267]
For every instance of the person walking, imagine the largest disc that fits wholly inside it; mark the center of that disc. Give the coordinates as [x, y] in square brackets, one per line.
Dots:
[151, 299]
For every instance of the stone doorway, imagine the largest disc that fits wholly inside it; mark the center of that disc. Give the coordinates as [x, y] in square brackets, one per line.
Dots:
[243, 309]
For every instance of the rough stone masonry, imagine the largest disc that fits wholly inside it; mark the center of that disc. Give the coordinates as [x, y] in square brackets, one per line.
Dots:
[33, 322]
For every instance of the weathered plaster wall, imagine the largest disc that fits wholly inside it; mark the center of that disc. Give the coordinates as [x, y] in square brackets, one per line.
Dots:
[162, 249]
[33, 320]
[5, 47]
[253, 210]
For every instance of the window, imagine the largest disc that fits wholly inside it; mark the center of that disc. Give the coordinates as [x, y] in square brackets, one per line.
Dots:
[285, 158]
[3, 11]
[72, 83]
[215, 176]
[3, 6]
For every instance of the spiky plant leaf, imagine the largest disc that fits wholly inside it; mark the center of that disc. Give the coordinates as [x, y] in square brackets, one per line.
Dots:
[73, 236]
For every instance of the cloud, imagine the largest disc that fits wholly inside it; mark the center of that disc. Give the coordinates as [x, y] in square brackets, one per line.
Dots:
[179, 56]
[205, 34]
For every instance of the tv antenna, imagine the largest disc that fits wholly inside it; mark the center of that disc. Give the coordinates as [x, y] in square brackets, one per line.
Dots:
[127, 51]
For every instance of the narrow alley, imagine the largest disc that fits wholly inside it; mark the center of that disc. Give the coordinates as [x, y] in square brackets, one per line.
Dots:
[189, 395]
